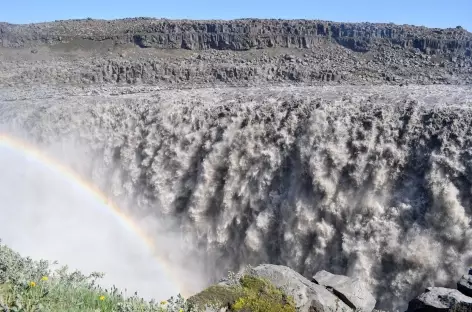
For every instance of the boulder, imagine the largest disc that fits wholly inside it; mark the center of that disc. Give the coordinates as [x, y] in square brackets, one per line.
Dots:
[465, 285]
[439, 299]
[308, 296]
[351, 291]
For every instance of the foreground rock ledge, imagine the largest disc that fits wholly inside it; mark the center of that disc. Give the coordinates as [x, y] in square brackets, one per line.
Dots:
[350, 290]
[306, 295]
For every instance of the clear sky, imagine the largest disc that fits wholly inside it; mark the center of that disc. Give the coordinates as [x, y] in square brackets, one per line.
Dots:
[431, 13]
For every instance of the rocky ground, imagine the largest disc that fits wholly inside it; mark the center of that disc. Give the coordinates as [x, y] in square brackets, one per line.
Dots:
[241, 52]
[327, 292]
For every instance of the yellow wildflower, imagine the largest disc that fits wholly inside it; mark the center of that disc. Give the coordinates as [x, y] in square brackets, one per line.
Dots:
[32, 284]
[163, 302]
[44, 278]
[101, 298]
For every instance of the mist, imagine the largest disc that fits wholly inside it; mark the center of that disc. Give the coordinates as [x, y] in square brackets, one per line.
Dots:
[46, 216]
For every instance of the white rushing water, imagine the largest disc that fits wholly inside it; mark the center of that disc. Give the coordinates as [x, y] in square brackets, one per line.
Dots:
[368, 182]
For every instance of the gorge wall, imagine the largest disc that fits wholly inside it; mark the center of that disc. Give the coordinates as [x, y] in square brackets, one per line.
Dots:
[239, 52]
[239, 35]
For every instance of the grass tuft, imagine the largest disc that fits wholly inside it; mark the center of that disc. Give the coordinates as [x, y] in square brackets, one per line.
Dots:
[31, 286]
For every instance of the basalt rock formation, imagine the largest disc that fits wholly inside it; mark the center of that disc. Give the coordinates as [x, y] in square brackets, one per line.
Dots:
[239, 35]
[238, 52]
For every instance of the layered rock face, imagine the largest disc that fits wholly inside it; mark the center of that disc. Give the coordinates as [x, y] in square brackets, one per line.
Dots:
[239, 52]
[238, 35]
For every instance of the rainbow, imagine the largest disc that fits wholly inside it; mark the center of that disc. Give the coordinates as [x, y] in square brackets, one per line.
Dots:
[127, 221]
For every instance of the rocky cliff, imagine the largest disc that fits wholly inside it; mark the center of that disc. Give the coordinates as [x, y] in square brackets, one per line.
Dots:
[238, 35]
[238, 52]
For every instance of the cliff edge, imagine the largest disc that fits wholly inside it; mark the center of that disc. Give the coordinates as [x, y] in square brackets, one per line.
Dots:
[237, 35]
[237, 52]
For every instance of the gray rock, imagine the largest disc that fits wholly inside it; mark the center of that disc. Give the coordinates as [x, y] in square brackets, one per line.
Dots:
[465, 285]
[242, 34]
[400, 52]
[351, 291]
[308, 296]
[436, 299]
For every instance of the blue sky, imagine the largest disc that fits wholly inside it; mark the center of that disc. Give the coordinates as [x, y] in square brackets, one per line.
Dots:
[432, 13]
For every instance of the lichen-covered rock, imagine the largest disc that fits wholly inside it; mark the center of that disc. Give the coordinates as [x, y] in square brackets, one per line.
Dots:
[439, 299]
[216, 297]
[248, 293]
[351, 291]
[308, 296]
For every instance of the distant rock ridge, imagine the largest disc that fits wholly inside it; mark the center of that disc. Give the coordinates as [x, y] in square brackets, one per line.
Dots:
[241, 34]
[237, 53]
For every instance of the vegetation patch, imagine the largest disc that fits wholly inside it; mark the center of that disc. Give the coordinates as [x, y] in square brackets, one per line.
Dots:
[216, 296]
[253, 294]
[260, 295]
[31, 286]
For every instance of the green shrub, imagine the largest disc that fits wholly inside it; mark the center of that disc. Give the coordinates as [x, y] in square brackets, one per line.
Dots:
[30, 286]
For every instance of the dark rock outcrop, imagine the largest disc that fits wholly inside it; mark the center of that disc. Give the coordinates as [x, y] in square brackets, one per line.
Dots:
[465, 284]
[243, 34]
[330, 65]
[438, 299]
[350, 290]
[239, 52]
